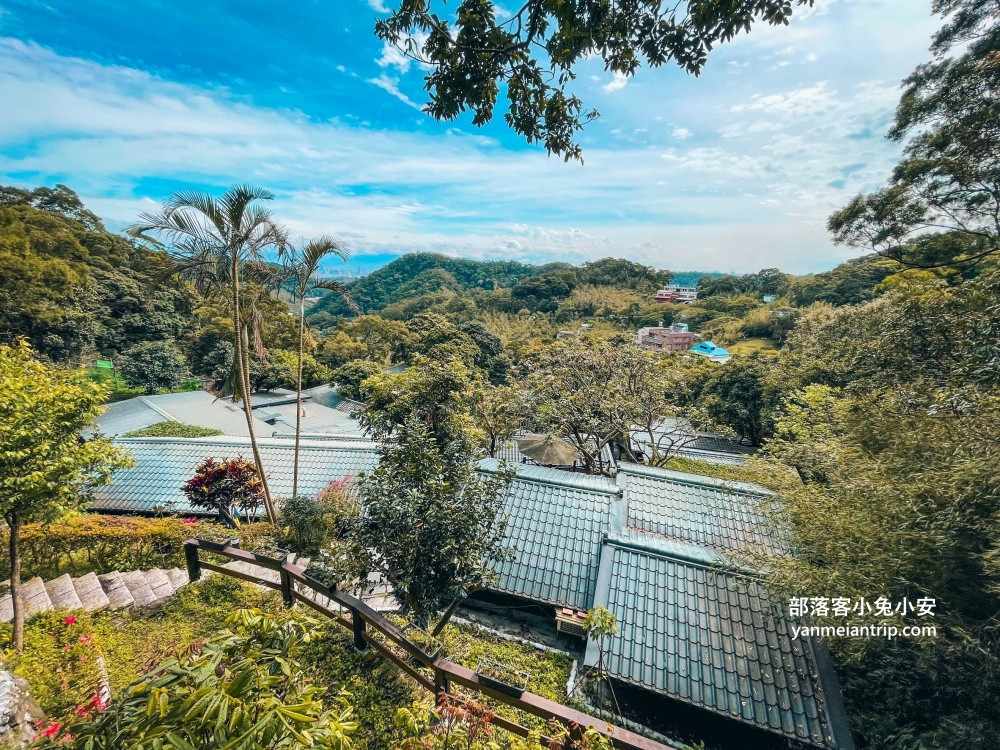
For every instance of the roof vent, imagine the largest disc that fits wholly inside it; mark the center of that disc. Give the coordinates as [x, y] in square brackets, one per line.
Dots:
[570, 622]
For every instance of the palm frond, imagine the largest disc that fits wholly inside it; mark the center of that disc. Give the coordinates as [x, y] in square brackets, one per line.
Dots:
[317, 250]
[338, 288]
[236, 204]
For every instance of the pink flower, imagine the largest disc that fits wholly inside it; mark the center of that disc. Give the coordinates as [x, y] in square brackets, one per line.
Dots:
[189, 521]
[69, 620]
[51, 731]
[67, 647]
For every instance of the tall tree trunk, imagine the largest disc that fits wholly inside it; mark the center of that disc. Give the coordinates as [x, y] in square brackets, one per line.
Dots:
[240, 359]
[14, 522]
[298, 397]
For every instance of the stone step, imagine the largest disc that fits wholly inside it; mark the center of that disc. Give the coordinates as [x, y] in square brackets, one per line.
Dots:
[62, 594]
[6, 609]
[35, 597]
[178, 578]
[159, 583]
[116, 590]
[88, 588]
[138, 587]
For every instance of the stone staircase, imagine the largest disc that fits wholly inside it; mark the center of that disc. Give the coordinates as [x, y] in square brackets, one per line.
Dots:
[140, 588]
[92, 592]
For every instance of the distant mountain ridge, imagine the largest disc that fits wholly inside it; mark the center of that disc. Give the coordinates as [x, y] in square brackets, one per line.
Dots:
[418, 274]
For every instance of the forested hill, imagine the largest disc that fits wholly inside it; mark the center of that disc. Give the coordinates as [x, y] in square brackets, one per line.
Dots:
[420, 274]
[71, 288]
[425, 273]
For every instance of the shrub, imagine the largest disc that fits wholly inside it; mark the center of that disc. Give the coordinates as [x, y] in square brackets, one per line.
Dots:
[60, 663]
[174, 429]
[303, 523]
[340, 506]
[311, 524]
[88, 542]
[225, 486]
[243, 688]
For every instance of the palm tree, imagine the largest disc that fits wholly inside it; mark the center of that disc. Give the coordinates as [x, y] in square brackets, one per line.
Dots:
[302, 266]
[211, 241]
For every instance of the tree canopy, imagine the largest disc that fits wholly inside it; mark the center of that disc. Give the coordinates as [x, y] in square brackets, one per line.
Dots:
[431, 526]
[942, 205]
[45, 466]
[476, 50]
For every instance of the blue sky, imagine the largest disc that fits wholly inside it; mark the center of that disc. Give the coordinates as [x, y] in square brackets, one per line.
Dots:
[733, 171]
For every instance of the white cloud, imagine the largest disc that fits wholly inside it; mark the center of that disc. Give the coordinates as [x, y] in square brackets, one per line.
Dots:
[392, 56]
[391, 85]
[755, 195]
[681, 133]
[378, 6]
[617, 83]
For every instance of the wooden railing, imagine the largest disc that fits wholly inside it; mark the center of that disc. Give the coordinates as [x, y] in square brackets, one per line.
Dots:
[365, 622]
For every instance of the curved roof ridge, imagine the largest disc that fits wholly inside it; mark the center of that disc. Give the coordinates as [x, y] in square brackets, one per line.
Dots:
[243, 442]
[682, 477]
[556, 477]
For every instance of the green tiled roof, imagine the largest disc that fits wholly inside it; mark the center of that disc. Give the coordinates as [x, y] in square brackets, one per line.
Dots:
[162, 465]
[710, 638]
[557, 521]
[711, 513]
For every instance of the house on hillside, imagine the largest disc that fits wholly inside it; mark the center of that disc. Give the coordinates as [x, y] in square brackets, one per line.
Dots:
[685, 295]
[703, 651]
[673, 338]
[698, 633]
[710, 351]
[680, 438]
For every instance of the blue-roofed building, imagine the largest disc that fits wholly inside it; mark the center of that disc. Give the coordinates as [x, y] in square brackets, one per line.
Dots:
[657, 548]
[557, 522]
[163, 465]
[711, 351]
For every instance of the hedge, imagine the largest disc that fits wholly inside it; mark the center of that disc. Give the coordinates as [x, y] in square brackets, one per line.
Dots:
[89, 542]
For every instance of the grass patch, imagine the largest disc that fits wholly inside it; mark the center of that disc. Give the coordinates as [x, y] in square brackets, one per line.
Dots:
[749, 346]
[173, 429]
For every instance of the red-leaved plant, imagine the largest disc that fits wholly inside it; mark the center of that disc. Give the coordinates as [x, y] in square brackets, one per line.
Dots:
[224, 486]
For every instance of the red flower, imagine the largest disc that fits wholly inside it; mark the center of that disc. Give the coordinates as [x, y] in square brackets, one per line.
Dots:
[189, 521]
[69, 620]
[81, 710]
[51, 731]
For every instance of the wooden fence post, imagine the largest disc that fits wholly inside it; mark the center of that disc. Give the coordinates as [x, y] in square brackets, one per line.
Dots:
[193, 565]
[286, 587]
[440, 684]
[359, 631]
